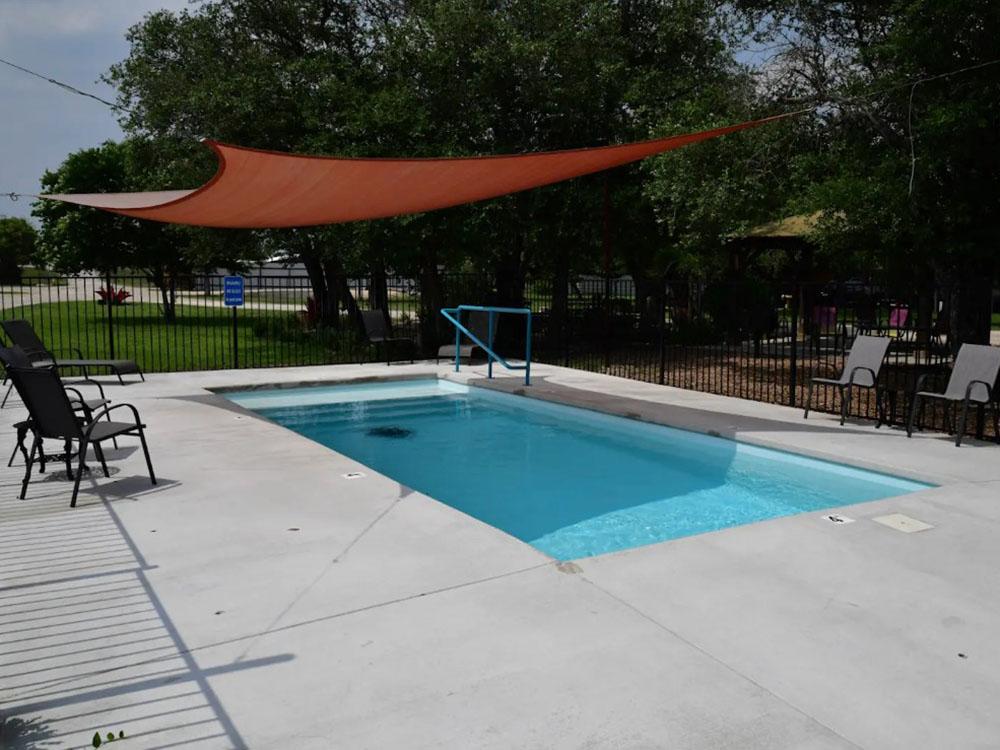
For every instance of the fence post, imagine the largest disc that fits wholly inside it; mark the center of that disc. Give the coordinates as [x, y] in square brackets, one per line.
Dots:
[663, 334]
[236, 345]
[109, 298]
[607, 323]
[794, 353]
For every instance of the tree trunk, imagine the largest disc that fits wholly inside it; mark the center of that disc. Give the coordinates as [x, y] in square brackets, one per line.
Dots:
[378, 291]
[337, 285]
[971, 304]
[326, 307]
[167, 286]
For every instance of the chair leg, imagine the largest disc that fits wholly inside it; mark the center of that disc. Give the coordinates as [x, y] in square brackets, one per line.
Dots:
[960, 430]
[79, 474]
[145, 452]
[100, 457]
[67, 455]
[995, 408]
[27, 468]
[22, 433]
[809, 399]
[845, 403]
[7, 394]
[913, 414]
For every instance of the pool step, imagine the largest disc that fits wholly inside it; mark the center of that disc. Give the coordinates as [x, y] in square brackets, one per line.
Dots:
[371, 413]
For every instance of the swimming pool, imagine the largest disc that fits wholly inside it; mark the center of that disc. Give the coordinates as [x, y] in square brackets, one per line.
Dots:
[571, 482]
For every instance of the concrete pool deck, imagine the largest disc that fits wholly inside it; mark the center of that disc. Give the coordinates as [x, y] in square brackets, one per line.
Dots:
[258, 598]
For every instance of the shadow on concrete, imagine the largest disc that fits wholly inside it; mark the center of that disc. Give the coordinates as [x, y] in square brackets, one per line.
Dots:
[85, 643]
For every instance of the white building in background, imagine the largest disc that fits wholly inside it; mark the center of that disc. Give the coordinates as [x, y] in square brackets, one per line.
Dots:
[269, 274]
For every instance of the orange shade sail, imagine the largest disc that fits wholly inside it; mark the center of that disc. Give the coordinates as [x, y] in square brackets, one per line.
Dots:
[255, 189]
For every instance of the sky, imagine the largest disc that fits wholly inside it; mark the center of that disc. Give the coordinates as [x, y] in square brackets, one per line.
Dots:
[74, 41]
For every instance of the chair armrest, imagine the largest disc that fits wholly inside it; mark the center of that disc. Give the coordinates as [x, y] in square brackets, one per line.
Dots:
[90, 381]
[919, 385]
[989, 390]
[105, 411]
[869, 370]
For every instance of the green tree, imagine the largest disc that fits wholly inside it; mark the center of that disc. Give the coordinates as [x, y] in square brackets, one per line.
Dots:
[18, 246]
[75, 238]
[908, 175]
[271, 74]
[432, 77]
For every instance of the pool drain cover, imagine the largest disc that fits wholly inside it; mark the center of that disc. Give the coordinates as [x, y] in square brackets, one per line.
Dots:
[390, 432]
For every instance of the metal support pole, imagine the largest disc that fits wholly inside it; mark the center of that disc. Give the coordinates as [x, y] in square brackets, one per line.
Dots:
[527, 352]
[489, 340]
[236, 345]
[663, 336]
[794, 354]
[458, 340]
[109, 297]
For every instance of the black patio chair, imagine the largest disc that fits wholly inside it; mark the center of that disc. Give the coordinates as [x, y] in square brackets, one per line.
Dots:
[477, 321]
[972, 381]
[378, 333]
[53, 417]
[15, 357]
[20, 333]
[861, 370]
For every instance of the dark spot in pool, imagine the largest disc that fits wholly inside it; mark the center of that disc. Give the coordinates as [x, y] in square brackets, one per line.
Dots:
[390, 432]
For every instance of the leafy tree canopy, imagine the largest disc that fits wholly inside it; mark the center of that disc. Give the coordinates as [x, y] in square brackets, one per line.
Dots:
[18, 246]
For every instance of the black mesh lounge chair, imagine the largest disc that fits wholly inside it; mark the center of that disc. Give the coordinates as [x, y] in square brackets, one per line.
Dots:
[377, 333]
[23, 335]
[478, 322]
[972, 381]
[53, 417]
[15, 357]
[861, 370]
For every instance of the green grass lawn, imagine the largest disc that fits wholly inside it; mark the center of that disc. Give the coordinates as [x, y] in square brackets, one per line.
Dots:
[200, 339]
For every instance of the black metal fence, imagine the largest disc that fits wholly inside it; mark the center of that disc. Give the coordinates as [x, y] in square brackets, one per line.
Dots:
[742, 339]
[750, 340]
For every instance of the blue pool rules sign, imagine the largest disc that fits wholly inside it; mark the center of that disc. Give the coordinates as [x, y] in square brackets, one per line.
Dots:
[232, 291]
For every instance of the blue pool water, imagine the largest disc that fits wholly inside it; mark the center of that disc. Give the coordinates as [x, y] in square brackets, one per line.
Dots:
[571, 482]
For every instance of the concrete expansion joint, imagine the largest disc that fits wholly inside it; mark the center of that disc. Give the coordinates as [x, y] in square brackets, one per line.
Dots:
[667, 629]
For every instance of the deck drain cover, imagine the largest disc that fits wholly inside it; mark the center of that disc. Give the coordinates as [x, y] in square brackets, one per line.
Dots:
[390, 432]
[899, 522]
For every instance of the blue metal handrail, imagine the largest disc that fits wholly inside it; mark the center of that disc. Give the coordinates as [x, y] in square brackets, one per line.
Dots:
[454, 316]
